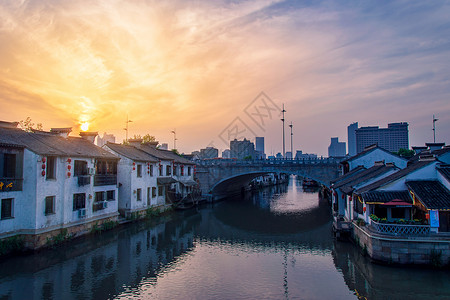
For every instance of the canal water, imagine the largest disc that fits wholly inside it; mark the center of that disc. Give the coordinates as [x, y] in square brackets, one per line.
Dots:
[275, 243]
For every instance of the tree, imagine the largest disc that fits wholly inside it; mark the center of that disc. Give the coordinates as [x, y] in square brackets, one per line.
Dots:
[28, 125]
[406, 153]
[148, 138]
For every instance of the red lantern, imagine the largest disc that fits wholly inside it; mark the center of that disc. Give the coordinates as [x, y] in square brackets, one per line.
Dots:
[134, 163]
[43, 166]
[134, 168]
[335, 194]
[69, 160]
[427, 216]
[364, 209]
[43, 159]
[350, 198]
[68, 174]
[43, 173]
[342, 196]
[69, 167]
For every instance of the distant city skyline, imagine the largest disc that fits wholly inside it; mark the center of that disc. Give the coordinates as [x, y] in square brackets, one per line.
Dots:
[199, 66]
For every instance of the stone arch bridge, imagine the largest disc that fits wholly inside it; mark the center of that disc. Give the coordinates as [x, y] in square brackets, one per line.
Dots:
[222, 177]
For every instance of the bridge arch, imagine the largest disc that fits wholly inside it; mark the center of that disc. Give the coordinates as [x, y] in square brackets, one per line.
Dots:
[220, 179]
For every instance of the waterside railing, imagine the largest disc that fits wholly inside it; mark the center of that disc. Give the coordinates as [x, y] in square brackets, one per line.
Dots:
[399, 229]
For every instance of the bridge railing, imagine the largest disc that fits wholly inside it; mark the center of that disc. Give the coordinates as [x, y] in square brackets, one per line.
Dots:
[268, 162]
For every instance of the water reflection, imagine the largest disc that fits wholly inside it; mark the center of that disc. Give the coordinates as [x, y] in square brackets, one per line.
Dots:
[275, 243]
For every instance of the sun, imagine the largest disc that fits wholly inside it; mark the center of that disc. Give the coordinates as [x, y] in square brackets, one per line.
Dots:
[84, 126]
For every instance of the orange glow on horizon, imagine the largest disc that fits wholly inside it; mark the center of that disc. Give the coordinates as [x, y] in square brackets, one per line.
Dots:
[84, 126]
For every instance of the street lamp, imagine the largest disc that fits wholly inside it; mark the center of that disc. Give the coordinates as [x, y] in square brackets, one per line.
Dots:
[126, 129]
[284, 151]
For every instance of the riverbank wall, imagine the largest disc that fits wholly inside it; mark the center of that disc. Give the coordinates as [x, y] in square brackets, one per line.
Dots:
[33, 240]
[427, 250]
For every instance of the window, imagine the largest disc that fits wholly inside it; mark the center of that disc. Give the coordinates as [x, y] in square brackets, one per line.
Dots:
[160, 170]
[148, 196]
[151, 170]
[99, 196]
[7, 209]
[110, 195]
[160, 190]
[189, 171]
[139, 194]
[80, 168]
[174, 170]
[153, 192]
[168, 170]
[398, 213]
[49, 205]
[182, 170]
[9, 165]
[51, 167]
[139, 170]
[79, 201]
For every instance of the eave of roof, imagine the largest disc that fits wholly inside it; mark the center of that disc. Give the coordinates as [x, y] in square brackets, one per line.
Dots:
[431, 193]
[397, 175]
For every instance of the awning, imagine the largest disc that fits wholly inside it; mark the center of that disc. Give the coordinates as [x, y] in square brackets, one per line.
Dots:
[165, 180]
[398, 202]
[188, 182]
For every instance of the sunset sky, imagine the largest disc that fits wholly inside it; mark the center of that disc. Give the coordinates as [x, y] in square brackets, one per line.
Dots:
[198, 66]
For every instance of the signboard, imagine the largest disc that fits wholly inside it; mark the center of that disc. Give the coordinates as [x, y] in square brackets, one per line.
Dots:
[434, 218]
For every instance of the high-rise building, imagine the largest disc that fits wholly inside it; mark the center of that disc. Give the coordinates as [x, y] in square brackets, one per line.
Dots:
[226, 153]
[336, 148]
[209, 152]
[105, 139]
[392, 138]
[351, 138]
[242, 149]
[259, 147]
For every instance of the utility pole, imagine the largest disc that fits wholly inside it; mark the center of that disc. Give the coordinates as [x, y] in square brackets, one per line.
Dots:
[434, 129]
[292, 147]
[126, 129]
[284, 150]
[174, 139]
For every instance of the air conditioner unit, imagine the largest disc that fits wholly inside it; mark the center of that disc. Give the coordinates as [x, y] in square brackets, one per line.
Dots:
[82, 213]
[91, 171]
[105, 204]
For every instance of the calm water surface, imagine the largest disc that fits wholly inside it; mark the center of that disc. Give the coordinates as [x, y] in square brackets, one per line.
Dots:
[272, 244]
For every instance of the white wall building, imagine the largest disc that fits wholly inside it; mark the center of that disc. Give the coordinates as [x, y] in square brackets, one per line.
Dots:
[51, 181]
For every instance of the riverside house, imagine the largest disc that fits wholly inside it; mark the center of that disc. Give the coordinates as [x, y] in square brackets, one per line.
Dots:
[137, 179]
[54, 184]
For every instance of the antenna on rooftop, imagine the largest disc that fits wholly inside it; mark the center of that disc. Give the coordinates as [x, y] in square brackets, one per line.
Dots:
[434, 129]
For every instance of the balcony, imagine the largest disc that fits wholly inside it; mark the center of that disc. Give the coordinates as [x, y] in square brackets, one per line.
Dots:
[10, 184]
[84, 180]
[110, 179]
[399, 230]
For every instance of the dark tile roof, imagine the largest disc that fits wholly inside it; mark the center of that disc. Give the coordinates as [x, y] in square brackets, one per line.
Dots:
[177, 158]
[431, 193]
[350, 174]
[386, 196]
[366, 175]
[164, 154]
[397, 175]
[436, 153]
[132, 152]
[445, 171]
[44, 143]
[368, 150]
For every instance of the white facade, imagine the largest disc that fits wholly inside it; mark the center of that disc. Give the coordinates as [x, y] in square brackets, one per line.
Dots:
[368, 159]
[31, 211]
